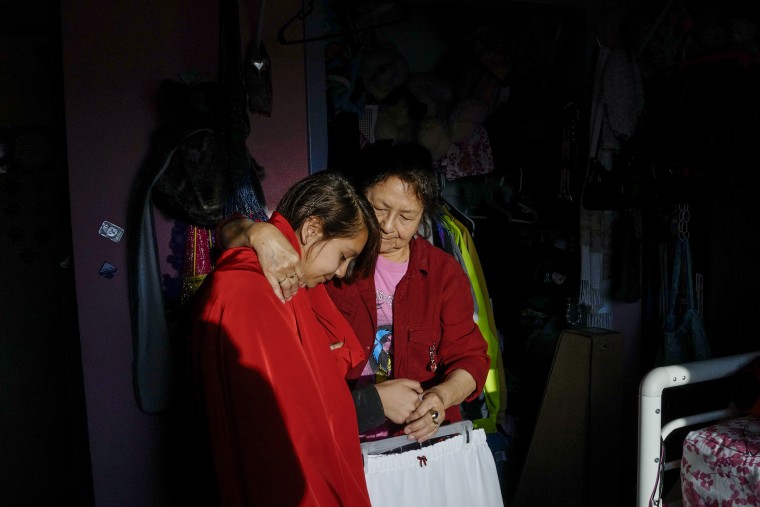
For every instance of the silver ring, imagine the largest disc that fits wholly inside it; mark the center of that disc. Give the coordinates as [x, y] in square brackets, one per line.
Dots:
[434, 414]
[292, 275]
[280, 281]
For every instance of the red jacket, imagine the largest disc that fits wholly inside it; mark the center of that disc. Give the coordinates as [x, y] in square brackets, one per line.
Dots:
[432, 307]
[281, 419]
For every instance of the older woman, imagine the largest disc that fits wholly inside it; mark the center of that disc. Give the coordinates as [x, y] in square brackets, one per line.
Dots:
[414, 315]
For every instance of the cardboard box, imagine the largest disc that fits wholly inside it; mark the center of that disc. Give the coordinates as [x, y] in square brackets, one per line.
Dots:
[575, 448]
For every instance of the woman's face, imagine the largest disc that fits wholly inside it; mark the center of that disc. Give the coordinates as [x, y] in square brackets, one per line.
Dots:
[399, 212]
[325, 259]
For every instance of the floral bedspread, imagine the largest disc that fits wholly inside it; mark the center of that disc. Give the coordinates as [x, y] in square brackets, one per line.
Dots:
[721, 464]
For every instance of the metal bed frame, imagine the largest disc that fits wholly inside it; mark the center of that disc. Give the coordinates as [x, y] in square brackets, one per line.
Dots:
[652, 434]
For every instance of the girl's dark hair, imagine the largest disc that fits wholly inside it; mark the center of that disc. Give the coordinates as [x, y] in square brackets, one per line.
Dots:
[343, 210]
[412, 164]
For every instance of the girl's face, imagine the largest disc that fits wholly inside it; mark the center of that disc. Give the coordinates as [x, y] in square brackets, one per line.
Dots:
[325, 259]
[399, 212]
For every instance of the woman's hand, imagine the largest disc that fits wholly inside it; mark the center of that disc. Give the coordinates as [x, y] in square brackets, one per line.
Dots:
[279, 261]
[400, 398]
[423, 423]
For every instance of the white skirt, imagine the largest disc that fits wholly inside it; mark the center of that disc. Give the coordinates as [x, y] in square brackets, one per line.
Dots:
[450, 473]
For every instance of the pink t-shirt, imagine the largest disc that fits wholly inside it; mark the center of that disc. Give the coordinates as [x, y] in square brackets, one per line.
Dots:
[379, 367]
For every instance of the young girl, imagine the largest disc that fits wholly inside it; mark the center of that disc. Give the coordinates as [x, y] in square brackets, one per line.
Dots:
[271, 374]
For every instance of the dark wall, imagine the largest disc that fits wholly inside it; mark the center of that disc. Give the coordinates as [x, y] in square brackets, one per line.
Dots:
[78, 110]
[44, 458]
[113, 61]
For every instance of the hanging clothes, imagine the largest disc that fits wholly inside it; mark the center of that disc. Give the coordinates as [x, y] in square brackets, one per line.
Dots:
[155, 365]
[196, 197]
[596, 266]
[196, 263]
[495, 389]
[617, 103]
[244, 193]
[469, 158]
[450, 245]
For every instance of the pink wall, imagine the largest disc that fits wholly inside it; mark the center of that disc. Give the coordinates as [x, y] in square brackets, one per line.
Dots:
[114, 59]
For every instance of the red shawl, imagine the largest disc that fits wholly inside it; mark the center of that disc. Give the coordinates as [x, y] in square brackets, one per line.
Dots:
[281, 419]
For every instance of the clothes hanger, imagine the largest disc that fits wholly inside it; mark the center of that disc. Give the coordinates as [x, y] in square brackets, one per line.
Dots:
[653, 29]
[515, 206]
[522, 213]
[305, 11]
[461, 216]
[464, 428]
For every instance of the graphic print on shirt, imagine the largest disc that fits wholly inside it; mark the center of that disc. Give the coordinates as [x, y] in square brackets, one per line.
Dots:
[379, 362]
[378, 367]
[384, 305]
